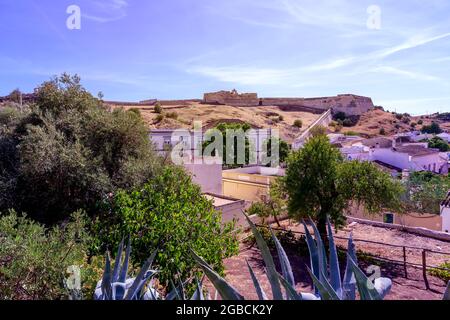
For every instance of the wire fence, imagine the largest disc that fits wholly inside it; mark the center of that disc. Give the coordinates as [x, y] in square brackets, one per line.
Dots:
[420, 263]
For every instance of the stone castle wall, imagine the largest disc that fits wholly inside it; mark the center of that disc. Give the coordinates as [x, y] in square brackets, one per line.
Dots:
[348, 103]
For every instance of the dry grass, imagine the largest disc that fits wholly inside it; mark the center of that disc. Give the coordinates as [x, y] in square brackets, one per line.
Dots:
[261, 117]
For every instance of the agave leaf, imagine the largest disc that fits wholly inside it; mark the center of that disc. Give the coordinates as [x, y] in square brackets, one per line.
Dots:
[272, 273]
[313, 252]
[309, 297]
[106, 280]
[124, 270]
[383, 286]
[143, 275]
[349, 282]
[118, 290]
[284, 261]
[198, 294]
[366, 288]
[447, 293]
[174, 294]
[149, 275]
[259, 290]
[324, 288]
[226, 291]
[321, 252]
[290, 290]
[115, 274]
[335, 272]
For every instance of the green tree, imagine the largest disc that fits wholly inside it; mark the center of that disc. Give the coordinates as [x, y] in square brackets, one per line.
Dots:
[169, 213]
[434, 128]
[319, 184]
[438, 143]
[426, 191]
[272, 206]
[282, 146]
[34, 260]
[68, 152]
[222, 128]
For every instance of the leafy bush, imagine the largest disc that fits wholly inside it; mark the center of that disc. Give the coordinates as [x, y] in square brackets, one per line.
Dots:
[67, 152]
[160, 117]
[442, 274]
[34, 260]
[172, 115]
[383, 131]
[438, 143]
[434, 128]
[420, 122]
[168, 213]
[298, 123]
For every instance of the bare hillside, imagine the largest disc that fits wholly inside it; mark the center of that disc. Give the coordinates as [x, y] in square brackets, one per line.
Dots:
[259, 117]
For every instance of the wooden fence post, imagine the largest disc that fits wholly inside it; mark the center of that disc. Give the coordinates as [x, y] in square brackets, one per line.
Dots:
[424, 269]
[404, 263]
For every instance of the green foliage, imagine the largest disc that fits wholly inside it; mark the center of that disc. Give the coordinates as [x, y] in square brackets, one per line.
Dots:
[34, 260]
[160, 117]
[158, 109]
[172, 115]
[383, 131]
[318, 131]
[351, 133]
[319, 184]
[272, 206]
[222, 128]
[282, 146]
[169, 213]
[426, 191]
[440, 273]
[434, 128]
[298, 123]
[438, 143]
[15, 96]
[68, 151]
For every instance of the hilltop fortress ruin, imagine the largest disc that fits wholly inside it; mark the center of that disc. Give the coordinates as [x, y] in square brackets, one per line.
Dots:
[350, 104]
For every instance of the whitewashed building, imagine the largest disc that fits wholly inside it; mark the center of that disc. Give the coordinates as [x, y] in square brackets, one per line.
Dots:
[445, 213]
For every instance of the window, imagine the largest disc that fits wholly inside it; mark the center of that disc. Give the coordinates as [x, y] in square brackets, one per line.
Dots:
[389, 218]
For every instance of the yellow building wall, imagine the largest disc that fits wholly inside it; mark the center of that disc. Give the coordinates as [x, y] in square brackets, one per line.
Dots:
[428, 221]
[249, 187]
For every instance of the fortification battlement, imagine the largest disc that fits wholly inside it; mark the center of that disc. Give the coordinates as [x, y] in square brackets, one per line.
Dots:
[349, 103]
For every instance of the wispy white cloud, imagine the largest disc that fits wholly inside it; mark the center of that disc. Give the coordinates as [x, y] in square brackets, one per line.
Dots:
[106, 10]
[404, 73]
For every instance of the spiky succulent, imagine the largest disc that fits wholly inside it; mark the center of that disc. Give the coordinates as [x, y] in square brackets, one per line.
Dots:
[324, 271]
[115, 284]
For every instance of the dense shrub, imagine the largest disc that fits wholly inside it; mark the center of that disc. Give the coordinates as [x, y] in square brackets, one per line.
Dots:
[298, 123]
[440, 273]
[34, 260]
[68, 151]
[434, 128]
[172, 115]
[169, 213]
[438, 143]
[158, 109]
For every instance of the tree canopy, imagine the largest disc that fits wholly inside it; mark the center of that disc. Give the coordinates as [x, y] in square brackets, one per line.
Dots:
[319, 183]
[169, 213]
[68, 151]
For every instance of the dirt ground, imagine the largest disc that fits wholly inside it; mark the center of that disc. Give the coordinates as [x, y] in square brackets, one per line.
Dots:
[371, 122]
[261, 117]
[411, 288]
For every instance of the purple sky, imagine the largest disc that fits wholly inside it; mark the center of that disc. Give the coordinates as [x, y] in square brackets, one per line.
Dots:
[134, 50]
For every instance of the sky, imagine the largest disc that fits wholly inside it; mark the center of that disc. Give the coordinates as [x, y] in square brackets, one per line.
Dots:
[397, 52]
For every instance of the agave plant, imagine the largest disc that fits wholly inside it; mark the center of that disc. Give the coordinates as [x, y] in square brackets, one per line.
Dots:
[326, 277]
[115, 284]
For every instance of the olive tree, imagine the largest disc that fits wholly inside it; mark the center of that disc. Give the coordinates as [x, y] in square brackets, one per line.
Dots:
[319, 183]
